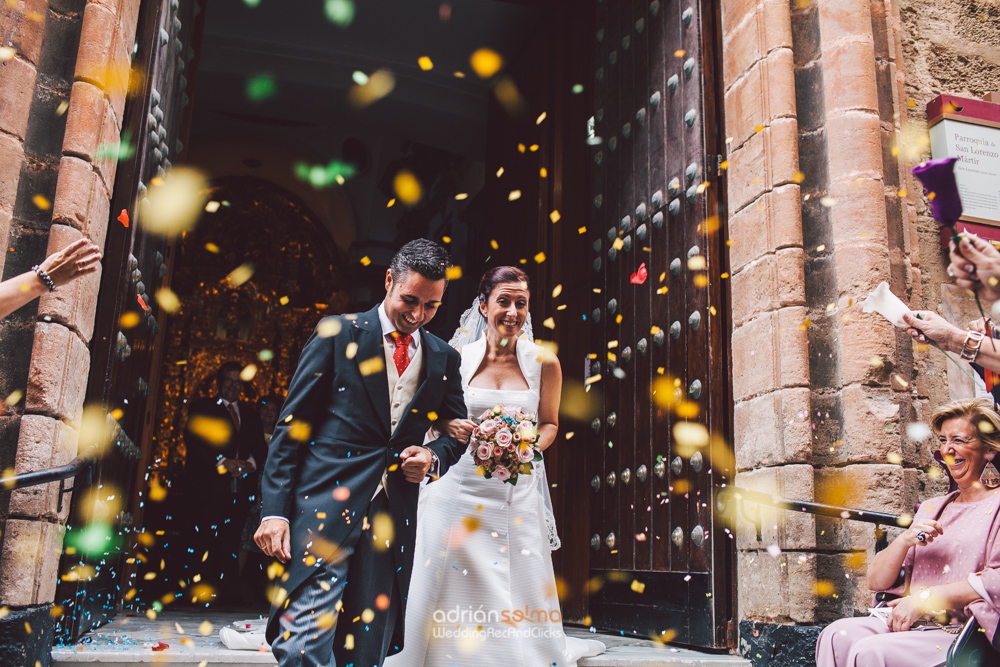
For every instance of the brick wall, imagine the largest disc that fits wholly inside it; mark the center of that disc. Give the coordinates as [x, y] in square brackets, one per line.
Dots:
[821, 210]
[62, 95]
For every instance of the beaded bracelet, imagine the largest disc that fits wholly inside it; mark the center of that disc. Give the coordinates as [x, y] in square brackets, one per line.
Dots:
[45, 277]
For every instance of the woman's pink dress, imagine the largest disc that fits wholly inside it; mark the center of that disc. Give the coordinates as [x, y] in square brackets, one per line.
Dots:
[970, 545]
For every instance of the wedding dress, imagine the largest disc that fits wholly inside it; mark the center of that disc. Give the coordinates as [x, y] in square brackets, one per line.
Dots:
[483, 588]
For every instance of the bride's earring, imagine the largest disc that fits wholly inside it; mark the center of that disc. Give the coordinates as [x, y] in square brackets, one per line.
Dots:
[990, 477]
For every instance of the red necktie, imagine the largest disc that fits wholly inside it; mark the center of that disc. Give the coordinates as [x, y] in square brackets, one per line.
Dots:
[402, 353]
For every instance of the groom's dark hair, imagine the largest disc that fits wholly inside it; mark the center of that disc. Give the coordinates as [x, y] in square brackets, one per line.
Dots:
[427, 258]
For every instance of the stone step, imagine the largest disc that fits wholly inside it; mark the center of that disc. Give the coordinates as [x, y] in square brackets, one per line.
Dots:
[126, 642]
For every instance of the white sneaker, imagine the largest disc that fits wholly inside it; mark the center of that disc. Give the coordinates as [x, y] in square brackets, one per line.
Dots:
[244, 641]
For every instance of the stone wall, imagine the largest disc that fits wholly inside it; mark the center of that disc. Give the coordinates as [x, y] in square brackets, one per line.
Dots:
[62, 94]
[951, 46]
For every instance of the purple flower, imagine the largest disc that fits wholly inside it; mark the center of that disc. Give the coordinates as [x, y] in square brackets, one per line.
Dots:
[938, 178]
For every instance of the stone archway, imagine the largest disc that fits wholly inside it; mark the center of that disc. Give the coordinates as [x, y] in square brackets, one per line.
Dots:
[296, 276]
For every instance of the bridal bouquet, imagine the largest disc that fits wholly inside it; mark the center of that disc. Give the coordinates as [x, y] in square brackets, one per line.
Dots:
[503, 444]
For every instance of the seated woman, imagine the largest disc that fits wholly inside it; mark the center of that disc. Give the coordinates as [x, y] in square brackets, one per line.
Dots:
[949, 557]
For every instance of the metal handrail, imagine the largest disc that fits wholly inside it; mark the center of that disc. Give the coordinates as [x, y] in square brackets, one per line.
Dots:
[80, 468]
[728, 494]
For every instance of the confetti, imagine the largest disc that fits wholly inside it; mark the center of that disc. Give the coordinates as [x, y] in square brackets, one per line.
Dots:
[215, 430]
[453, 273]
[461, 195]
[697, 263]
[380, 83]
[690, 434]
[425, 63]
[639, 277]
[121, 150]
[167, 299]
[41, 202]
[539, 258]
[7, 53]
[372, 366]
[261, 87]
[828, 202]
[637, 585]
[13, 398]
[549, 323]
[918, 431]
[514, 195]
[174, 204]
[240, 274]
[407, 187]
[329, 327]
[340, 12]
[485, 63]
[319, 176]
[383, 531]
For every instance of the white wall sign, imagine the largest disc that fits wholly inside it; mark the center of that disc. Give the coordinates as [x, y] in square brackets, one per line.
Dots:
[978, 171]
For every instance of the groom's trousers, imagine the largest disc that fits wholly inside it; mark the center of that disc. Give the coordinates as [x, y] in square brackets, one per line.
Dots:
[311, 631]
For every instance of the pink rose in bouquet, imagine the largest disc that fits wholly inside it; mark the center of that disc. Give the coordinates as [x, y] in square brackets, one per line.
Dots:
[504, 443]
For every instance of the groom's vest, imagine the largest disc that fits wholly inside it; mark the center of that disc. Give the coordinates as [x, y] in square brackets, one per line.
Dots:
[401, 389]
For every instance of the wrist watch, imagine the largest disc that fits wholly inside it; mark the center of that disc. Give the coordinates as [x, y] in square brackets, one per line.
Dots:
[970, 348]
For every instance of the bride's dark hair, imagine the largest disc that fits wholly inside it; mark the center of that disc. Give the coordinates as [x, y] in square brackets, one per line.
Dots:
[497, 275]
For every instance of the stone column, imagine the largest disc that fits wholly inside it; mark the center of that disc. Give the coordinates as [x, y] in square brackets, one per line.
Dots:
[54, 117]
[818, 216]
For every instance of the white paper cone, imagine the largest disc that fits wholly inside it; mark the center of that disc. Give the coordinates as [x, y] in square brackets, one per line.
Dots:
[886, 304]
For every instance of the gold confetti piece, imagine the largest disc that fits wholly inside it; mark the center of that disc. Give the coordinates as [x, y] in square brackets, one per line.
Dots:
[14, 398]
[214, 430]
[212, 206]
[485, 63]
[562, 307]
[454, 273]
[905, 519]
[724, 165]
[828, 202]
[330, 327]
[408, 188]
[825, 588]
[432, 416]
[690, 434]
[514, 195]
[366, 260]
[582, 230]
[212, 248]
[379, 84]
[240, 274]
[383, 530]
[348, 642]
[820, 248]
[618, 320]
[687, 410]
[679, 53]
[637, 585]
[461, 195]
[459, 75]
[618, 244]
[533, 148]
[543, 172]
[41, 202]
[390, 203]
[556, 291]
[521, 148]
[494, 244]
[174, 205]
[697, 263]
[592, 379]
[299, 430]
[549, 323]
[351, 350]
[167, 299]
[712, 311]
[425, 63]
[540, 257]
[894, 458]
[701, 280]
[541, 117]
[555, 217]
[7, 53]
[371, 366]
[248, 372]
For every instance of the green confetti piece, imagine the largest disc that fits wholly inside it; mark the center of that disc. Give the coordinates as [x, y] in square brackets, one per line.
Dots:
[261, 87]
[340, 12]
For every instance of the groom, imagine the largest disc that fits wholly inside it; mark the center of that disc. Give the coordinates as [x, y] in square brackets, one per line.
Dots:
[342, 476]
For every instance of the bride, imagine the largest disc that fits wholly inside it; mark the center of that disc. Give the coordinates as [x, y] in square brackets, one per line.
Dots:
[483, 585]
